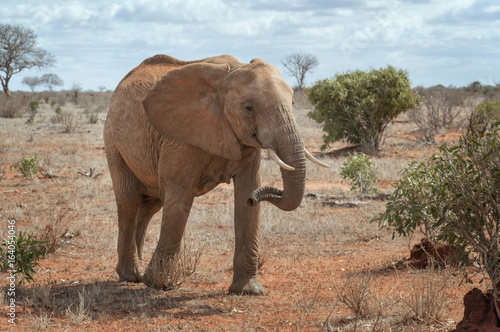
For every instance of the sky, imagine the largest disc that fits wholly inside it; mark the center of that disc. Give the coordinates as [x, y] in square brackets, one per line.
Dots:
[96, 43]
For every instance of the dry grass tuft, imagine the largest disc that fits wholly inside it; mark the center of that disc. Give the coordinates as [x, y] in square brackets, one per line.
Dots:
[371, 311]
[41, 322]
[53, 230]
[174, 271]
[427, 298]
[356, 294]
[79, 315]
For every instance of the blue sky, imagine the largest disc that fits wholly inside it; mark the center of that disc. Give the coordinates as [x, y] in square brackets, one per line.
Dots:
[97, 42]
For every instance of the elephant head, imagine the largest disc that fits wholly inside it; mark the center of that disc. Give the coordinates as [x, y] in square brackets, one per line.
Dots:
[220, 107]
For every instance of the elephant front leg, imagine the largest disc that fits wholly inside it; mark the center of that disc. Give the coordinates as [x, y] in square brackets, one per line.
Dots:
[246, 224]
[164, 265]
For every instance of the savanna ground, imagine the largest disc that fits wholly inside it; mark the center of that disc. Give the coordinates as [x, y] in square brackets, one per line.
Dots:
[314, 261]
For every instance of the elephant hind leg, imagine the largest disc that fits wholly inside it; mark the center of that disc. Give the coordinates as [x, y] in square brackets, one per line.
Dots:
[148, 208]
[128, 267]
[128, 189]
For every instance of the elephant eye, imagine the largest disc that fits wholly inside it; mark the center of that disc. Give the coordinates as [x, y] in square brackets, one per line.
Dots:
[249, 108]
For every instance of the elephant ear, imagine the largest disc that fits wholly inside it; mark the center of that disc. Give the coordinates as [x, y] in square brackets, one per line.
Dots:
[184, 105]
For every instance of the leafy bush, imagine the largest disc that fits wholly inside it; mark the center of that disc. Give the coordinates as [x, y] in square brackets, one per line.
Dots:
[21, 254]
[357, 106]
[455, 195]
[33, 106]
[28, 166]
[361, 173]
[484, 115]
[413, 205]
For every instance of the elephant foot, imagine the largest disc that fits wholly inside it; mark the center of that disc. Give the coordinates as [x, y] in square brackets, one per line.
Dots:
[147, 279]
[128, 273]
[247, 287]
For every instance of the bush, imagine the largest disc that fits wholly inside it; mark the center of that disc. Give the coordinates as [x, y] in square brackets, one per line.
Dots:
[92, 118]
[483, 116]
[412, 205]
[75, 93]
[12, 107]
[440, 109]
[359, 170]
[357, 106]
[457, 197]
[28, 166]
[21, 255]
[33, 106]
[69, 122]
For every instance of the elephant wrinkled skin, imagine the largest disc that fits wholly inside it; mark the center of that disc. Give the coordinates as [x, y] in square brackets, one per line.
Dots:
[177, 129]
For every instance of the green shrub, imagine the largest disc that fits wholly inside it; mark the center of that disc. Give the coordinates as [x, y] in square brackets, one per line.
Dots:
[484, 115]
[413, 205]
[33, 105]
[58, 110]
[28, 166]
[21, 254]
[454, 195]
[361, 173]
[357, 106]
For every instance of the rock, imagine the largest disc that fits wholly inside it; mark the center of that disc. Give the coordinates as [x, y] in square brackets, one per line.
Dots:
[479, 313]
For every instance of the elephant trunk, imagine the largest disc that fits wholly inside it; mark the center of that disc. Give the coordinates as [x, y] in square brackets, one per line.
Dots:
[289, 147]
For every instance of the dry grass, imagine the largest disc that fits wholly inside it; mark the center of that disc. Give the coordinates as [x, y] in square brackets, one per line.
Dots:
[172, 272]
[306, 255]
[427, 298]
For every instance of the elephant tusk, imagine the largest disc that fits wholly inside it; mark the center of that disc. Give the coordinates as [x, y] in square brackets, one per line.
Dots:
[278, 161]
[314, 160]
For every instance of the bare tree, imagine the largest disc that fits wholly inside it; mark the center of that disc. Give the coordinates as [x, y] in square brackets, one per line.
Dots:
[18, 51]
[298, 64]
[51, 80]
[32, 82]
[440, 109]
[76, 90]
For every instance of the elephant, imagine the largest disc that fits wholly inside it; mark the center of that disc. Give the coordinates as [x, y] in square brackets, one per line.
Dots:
[175, 130]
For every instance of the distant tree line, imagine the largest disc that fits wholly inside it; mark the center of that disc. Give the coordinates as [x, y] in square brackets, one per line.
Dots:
[47, 80]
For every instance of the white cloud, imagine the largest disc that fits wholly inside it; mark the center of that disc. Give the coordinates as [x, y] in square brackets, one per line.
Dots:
[492, 9]
[96, 41]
